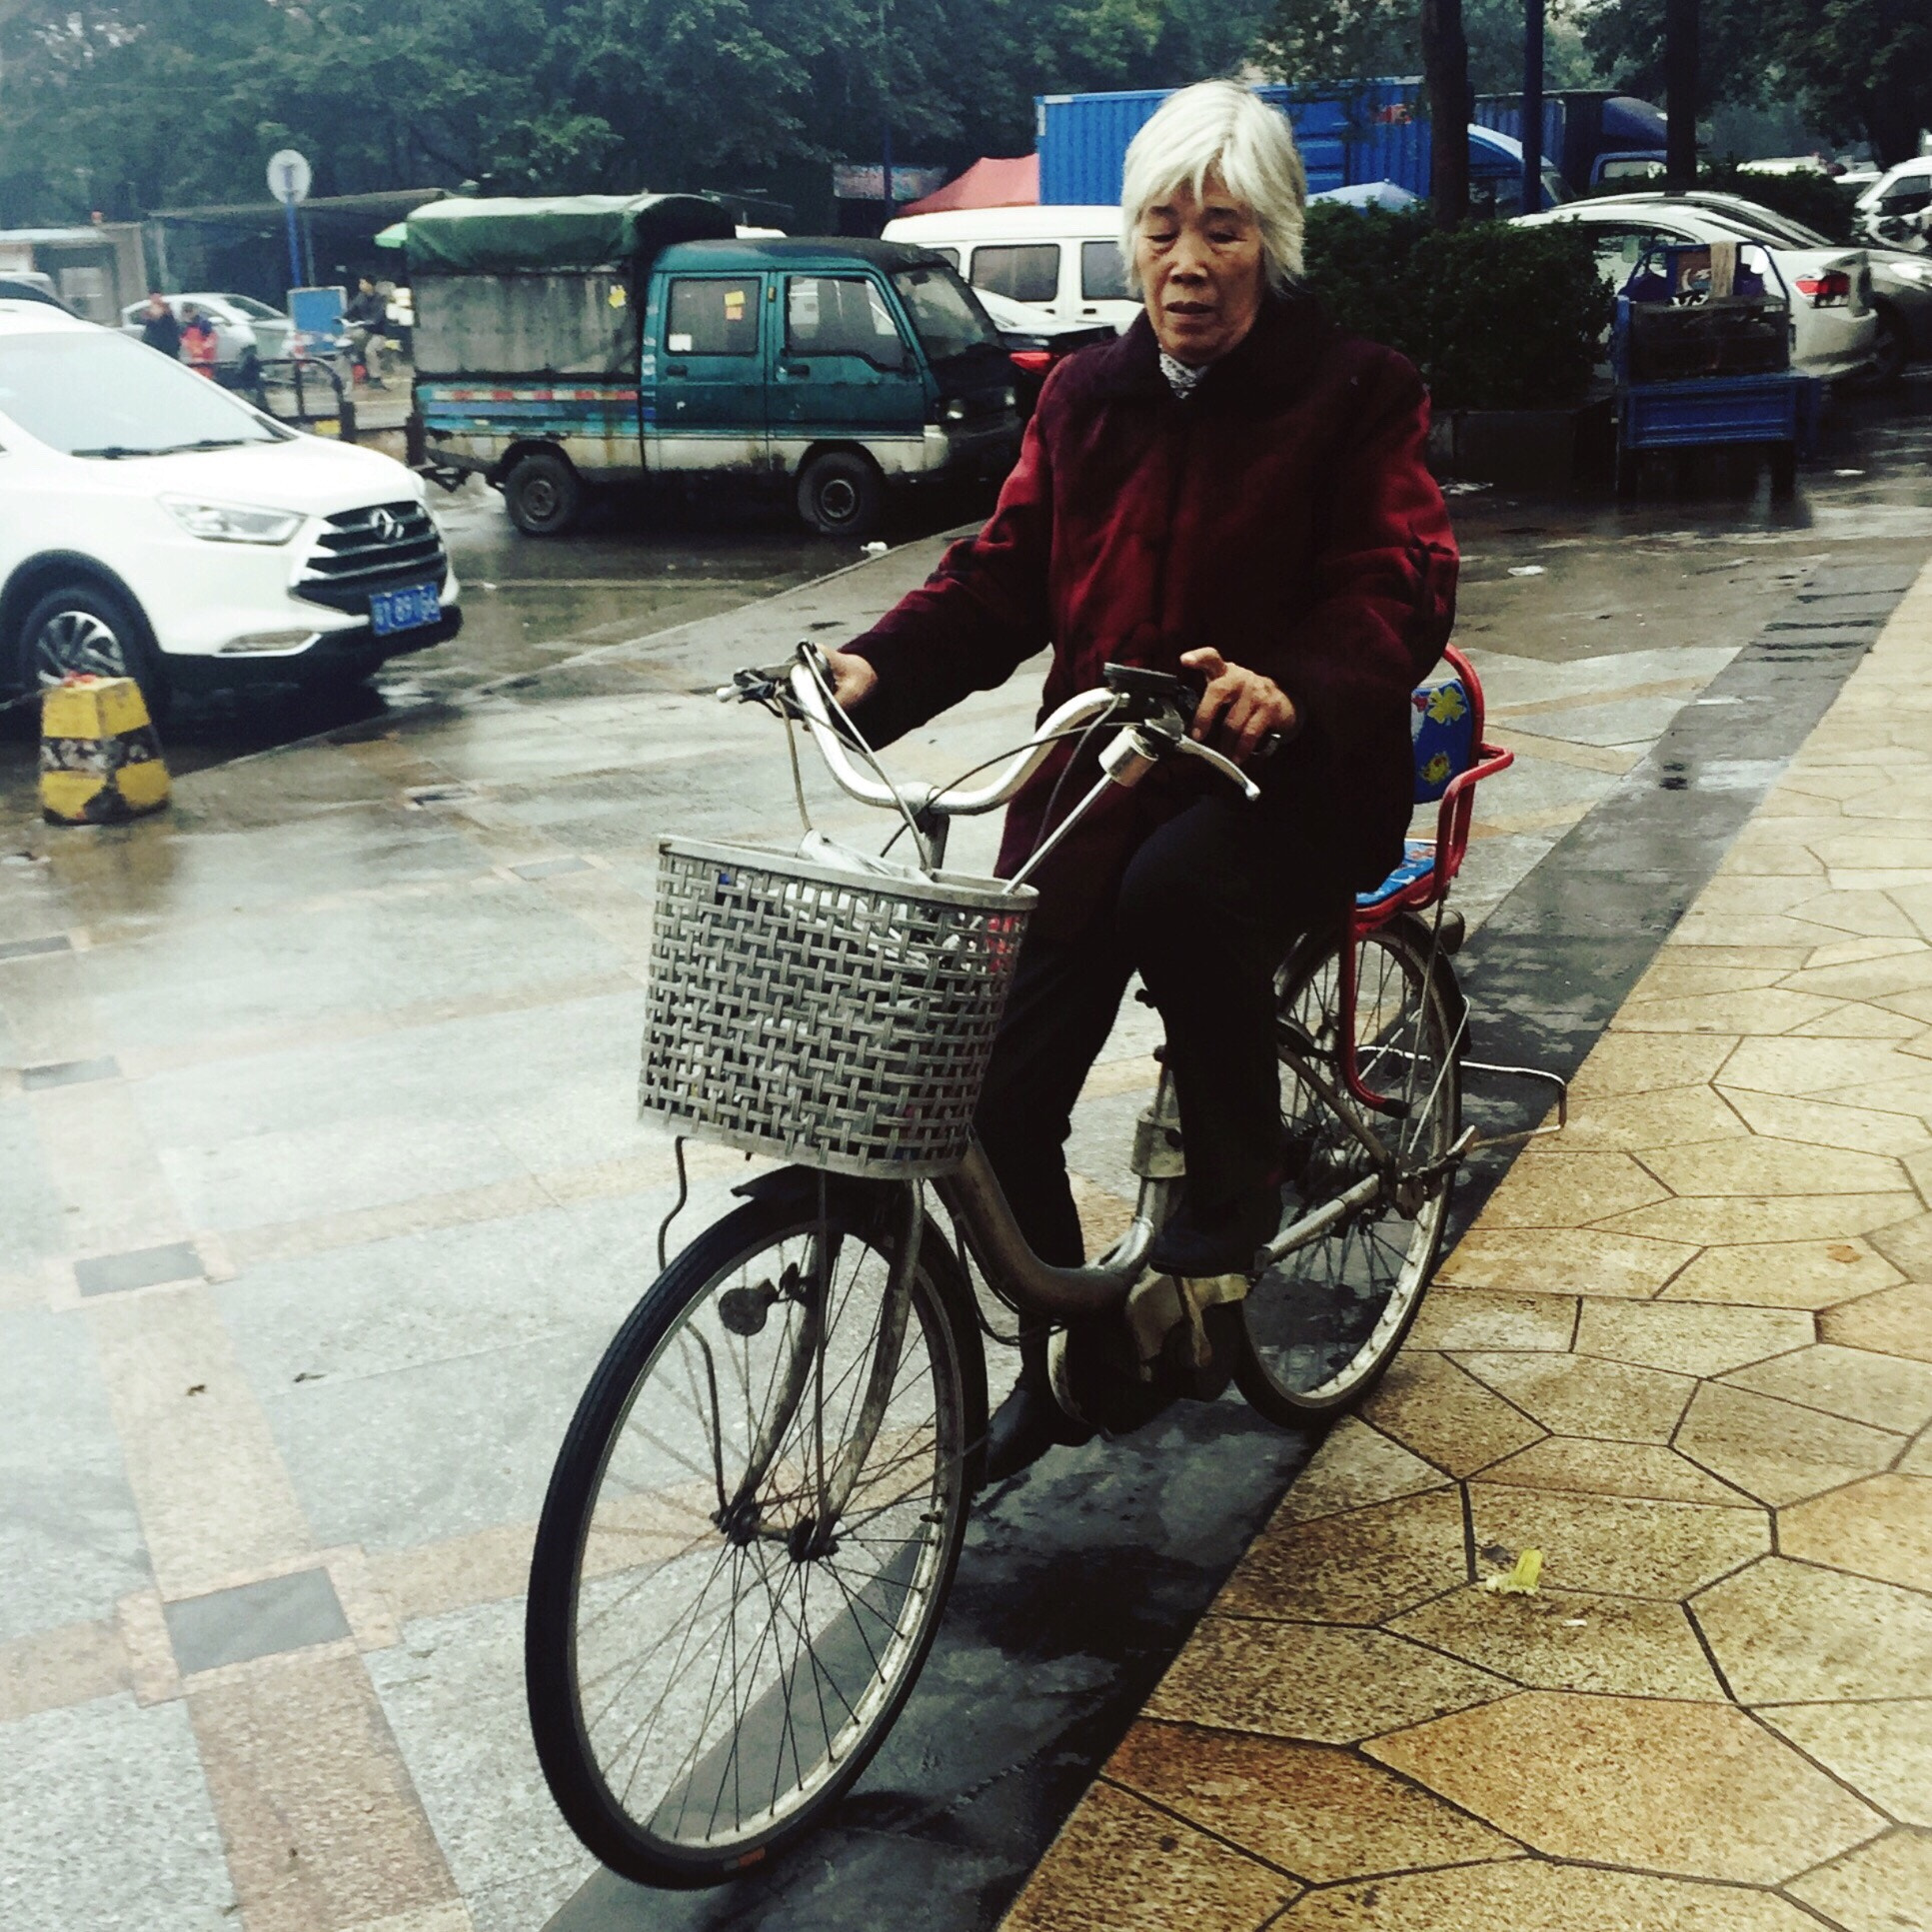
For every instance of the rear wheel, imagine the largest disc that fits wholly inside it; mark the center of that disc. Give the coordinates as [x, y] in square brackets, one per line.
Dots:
[840, 493]
[750, 1536]
[1892, 349]
[544, 493]
[1324, 1325]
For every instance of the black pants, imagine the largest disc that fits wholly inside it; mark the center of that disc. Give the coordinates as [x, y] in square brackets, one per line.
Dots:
[1206, 912]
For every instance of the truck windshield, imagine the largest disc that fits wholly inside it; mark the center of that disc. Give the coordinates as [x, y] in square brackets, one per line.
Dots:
[950, 322]
[86, 392]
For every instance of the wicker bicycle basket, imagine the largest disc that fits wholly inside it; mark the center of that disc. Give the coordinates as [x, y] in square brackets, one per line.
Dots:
[841, 1018]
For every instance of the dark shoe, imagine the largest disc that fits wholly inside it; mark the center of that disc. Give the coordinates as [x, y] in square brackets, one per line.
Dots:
[1198, 1243]
[1024, 1427]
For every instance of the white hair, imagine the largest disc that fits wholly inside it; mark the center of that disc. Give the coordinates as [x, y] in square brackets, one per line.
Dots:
[1225, 129]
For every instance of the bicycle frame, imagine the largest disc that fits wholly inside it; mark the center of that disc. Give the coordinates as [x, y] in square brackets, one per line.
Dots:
[971, 1192]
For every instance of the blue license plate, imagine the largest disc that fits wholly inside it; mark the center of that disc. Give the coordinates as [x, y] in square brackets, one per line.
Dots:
[403, 609]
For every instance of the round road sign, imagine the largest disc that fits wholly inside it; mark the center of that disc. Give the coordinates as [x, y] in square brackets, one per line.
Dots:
[288, 176]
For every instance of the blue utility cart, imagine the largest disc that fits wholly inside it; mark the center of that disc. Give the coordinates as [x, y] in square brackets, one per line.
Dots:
[1701, 353]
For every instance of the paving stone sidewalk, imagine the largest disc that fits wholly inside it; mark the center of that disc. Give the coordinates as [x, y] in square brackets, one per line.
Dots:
[1686, 1352]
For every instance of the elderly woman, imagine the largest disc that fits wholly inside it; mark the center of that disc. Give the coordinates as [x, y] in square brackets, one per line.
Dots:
[1237, 490]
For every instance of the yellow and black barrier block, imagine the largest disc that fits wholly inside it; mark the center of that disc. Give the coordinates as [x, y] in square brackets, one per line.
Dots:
[100, 761]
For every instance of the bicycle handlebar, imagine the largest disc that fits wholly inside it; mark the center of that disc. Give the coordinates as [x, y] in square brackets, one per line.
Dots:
[801, 690]
[950, 802]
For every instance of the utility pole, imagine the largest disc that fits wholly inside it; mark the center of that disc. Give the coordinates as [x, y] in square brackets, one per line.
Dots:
[1681, 95]
[1532, 106]
[1445, 73]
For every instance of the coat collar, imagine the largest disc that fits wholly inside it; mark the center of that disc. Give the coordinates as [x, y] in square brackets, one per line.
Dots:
[1274, 361]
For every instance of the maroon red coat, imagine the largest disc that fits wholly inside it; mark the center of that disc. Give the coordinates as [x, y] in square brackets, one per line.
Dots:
[1282, 512]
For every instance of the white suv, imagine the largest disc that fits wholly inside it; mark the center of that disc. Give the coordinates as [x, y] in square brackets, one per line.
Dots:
[155, 524]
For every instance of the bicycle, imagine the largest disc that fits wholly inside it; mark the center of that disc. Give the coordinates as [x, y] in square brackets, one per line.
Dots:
[758, 1506]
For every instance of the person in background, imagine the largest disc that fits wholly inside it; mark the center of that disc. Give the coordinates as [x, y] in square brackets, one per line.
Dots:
[159, 329]
[367, 317]
[200, 348]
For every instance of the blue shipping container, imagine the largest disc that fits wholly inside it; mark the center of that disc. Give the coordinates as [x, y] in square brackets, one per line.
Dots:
[1364, 132]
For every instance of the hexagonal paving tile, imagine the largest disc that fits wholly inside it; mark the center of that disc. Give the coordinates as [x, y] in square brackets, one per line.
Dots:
[1612, 1469]
[1883, 1750]
[1777, 1451]
[1647, 1063]
[1321, 1813]
[1120, 1865]
[1688, 1340]
[1693, 1790]
[1358, 1567]
[1562, 1261]
[1456, 1318]
[1529, 1893]
[1581, 1396]
[1562, 1640]
[1429, 1404]
[1895, 1321]
[1887, 1887]
[1311, 1681]
[1632, 1546]
[1884, 1391]
[1784, 1633]
[1355, 1466]
[1782, 1274]
[1567, 1189]
[1881, 1528]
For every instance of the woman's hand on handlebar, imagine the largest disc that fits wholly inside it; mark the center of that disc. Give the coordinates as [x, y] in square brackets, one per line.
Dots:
[853, 677]
[1245, 706]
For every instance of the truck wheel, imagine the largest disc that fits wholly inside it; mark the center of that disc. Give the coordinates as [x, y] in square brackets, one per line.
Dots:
[841, 495]
[1784, 469]
[83, 627]
[543, 493]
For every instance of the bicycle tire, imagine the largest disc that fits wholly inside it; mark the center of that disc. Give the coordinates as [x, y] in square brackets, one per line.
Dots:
[561, 1660]
[1320, 1329]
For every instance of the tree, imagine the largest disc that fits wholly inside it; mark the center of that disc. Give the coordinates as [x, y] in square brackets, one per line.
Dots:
[1860, 69]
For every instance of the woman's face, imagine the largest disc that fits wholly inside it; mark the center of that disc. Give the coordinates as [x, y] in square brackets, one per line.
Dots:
[1202, 271]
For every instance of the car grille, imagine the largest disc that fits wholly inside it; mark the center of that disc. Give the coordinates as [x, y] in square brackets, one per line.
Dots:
[381, 547]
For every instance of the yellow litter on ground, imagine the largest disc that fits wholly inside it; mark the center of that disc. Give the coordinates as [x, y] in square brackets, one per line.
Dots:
[100, 759]
[1520, 1579]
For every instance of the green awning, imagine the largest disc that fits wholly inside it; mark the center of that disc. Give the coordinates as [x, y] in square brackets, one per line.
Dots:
[502, 235]
[396, 235]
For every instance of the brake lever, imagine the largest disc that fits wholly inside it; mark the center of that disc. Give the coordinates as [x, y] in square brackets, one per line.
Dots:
[1225, 765]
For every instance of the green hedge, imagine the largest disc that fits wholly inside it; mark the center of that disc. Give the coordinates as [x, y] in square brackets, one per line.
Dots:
[1814, 199]
[1494, 316]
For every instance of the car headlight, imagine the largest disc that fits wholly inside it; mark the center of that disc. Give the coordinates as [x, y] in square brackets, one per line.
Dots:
[954, 411]
[232, 523]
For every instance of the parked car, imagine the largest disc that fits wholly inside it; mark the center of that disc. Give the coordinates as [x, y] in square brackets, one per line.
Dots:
[29, 285]
[155, 526]
[658, 345]
[248, 332]
[1898, 205]
[1829, 289]
[1063, 261]
[1901, 282]
[1036, 342]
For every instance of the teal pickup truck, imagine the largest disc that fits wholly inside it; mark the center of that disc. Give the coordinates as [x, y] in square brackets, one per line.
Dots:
[567, 343]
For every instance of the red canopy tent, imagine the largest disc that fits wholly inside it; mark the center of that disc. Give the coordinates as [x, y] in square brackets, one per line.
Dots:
[992, 182]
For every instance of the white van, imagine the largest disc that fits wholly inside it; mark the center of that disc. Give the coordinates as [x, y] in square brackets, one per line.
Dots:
[153, 525]
[1066, 261]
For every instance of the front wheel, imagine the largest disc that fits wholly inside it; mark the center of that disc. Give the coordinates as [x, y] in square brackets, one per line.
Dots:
[750, 1535]
[1322, 1326]
[85, 628]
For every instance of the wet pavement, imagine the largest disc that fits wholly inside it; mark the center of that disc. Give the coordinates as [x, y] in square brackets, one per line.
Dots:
[1683, 1356]
[325, 1196]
